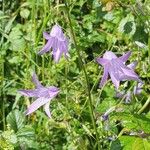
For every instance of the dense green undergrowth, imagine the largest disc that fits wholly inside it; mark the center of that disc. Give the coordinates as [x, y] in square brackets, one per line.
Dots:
[114, 25]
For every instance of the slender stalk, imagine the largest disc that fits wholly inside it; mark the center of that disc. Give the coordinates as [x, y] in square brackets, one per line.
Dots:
[2, 94]
[86, 77]
[144, 106]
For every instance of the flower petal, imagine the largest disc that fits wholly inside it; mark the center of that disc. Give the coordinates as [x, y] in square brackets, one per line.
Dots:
[105, 76]
[102, 61]
[109, 55]
[46, 35]
[138, 88]
[47, 92]
[128, 97]
[57, 55]
[57, 32]
[63, 46]
[47, 47]
[129, 74]
[53, 89]
[125, 57]
[36, 104]
[47, 109]
[29, 93]
[36, 81]
[120, 94]
[115, 81]
[132, 65]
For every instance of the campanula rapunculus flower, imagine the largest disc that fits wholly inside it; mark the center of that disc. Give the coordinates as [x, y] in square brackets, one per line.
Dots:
[116, 68]
[57, 42]
[138, 88]
[42, 94]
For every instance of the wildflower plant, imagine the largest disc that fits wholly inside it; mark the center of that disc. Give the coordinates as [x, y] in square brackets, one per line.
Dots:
[87, 116]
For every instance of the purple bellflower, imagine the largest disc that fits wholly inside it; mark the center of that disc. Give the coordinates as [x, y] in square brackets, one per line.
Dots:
[126, 95]
[42, 94]
[57, 41]
[138, 88]
[116, 68]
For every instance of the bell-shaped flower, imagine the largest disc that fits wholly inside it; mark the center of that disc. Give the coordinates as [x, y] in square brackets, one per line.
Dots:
[138, 88]
[42, 94]
[116, 68]
[57, 42]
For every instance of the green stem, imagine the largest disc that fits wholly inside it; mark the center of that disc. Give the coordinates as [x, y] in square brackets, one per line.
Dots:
[144, 106]
[86, 77]
[2, 94]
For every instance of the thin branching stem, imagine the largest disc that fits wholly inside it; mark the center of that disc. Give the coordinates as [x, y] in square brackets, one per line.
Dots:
[86, 77]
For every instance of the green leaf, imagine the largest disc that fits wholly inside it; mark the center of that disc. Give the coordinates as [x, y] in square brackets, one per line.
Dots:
[28, 143]
[115, 145]
[26, 131]
[9, 24]
[26, 136]
[16, 39]
[16, 120]
[15, 60]
[106, 104]
[24, 13]
[134, 143]
[8, 140]
[127, 25]
[132, 122]
[108, 99]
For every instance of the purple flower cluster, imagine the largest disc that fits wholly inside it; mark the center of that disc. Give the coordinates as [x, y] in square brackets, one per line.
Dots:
[59, 45]
[114, 67]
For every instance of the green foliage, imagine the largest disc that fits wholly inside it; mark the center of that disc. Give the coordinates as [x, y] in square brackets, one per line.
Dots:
[133, 122]
[18, 134]
[134, 143]
[112, 25]
[16, 120]
[8, 140]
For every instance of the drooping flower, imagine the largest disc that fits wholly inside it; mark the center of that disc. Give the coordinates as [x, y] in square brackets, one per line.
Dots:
[57, 42]
[105, 116]
[138, 88]
[125, 95]
[116, 68]
[42, 94]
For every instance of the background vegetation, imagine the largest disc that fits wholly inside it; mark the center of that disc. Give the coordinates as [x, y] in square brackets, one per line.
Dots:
[115, 25]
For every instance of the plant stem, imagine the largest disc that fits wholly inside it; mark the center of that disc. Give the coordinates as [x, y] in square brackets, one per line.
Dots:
[86, 77]
[2, 94]
[144, 106]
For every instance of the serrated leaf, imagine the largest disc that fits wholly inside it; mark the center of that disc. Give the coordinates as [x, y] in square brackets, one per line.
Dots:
[26, 136]
[16, 120]
[134, 143]
[26, 131]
